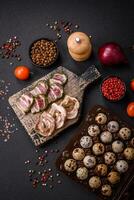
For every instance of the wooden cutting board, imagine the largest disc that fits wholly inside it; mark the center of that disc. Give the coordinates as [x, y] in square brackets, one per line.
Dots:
[75, 87]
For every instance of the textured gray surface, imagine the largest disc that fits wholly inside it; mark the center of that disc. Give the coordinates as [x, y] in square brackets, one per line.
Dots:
[106, 21]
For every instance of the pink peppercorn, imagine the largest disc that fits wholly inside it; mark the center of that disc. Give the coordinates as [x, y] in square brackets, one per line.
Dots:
[113, 88]
[44, 177]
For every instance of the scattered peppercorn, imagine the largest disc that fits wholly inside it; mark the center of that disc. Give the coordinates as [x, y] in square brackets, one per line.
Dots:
[62, 26]
[27, 161]
[42, 175]
[51, 186]
[57, 174]
[76, 26]
[59, 181]
[7, 125]
[9, 48]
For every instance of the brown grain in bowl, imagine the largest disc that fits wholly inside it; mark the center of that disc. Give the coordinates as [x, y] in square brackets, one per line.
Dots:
[43, 52]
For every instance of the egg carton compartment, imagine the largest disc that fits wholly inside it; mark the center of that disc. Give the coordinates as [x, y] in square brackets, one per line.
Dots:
[100, 156]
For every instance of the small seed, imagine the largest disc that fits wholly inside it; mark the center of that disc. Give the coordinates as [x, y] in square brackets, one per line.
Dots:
[76, 26]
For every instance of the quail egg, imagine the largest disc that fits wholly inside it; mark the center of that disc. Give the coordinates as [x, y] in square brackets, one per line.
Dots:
[125, 133]
[98, 149]
[82, 173]
[101, 118]
[106, 137]
[101, 169]
[129, 153]
[113, 126]
[89, 161]
[117, 146]
[78, 154]
[106, 190]
[93, 130]
[109, 158]
[121, 166]
[132, 142]
[113, 177]
[86, 142]
[70, 165]
[94, 182]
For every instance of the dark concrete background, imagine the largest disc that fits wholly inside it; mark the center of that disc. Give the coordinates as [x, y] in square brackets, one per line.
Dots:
[106, 21]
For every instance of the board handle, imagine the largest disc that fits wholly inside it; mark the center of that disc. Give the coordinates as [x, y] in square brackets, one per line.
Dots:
[90, 75]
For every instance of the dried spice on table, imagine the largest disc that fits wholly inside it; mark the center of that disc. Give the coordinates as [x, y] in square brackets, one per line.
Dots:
[7, 126]
[8, 49]
[61, 26]
[39, 171]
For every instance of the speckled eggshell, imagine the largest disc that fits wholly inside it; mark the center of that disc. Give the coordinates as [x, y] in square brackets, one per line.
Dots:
[109, 158]
[113, 126]
[86, 142]
[113, 177]
[106, 190]
[95, 182]
[121, 166]
[82, 173]
[132, 142]
[93, 130]
[101, 118]
[129, 153]
[117, 146]
[98, 149]
[106, 137]
[125, 133]
[101, 169]
[70, 165]
[78, 154]
[89, 161]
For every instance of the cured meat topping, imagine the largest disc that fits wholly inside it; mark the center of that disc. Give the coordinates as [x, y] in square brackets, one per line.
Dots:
[59, 114]
[71, 105]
